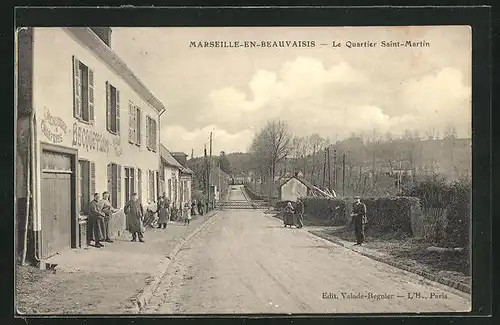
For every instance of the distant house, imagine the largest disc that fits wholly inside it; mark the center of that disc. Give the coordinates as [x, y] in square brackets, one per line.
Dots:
[176, 178]
[295, 187]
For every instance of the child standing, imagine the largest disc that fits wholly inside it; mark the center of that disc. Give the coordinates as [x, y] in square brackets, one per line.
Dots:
[186, 213]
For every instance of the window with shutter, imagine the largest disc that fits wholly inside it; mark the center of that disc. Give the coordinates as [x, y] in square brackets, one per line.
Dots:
[118, 186]
[153, 128]
[83, 185]
[77, 95]
[138, 127]
[139, 184]
[92, 179]
[91, 95]
[148, 132]
[110, 178]
[131, 122]
[117, 111]
[108, 106]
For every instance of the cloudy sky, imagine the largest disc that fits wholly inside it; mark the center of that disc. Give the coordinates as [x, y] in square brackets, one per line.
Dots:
[232, 92]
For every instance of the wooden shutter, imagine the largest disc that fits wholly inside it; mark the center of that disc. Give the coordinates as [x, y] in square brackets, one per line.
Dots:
[77, 86]
[108, 106]
[131, 122]
[110, 178]
[139, 135]
[117, 112]
[148, 134]
[118, 186]
[92, 179]
[139, 182]
[153, 144]
[91, 95]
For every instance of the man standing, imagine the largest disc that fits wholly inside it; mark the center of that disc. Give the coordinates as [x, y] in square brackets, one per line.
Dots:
[108, 210]
[200, 207]
[299, 210]
[96, 220]
[358, 218]
[163, 211]
[135, 214]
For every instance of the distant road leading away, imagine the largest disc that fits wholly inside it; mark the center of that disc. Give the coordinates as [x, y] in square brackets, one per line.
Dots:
[247, 262]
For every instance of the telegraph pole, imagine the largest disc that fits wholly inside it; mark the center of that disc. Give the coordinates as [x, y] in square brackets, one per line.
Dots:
[343, 174]
[329, 170]
[210, 173]
[324, 167]
[335, 169]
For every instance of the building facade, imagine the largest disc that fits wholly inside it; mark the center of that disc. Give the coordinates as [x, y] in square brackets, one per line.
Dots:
[85, 124]
[295, 188]
[176, 178]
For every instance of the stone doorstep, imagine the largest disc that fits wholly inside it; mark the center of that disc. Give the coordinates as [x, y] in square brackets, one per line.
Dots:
[384, 258]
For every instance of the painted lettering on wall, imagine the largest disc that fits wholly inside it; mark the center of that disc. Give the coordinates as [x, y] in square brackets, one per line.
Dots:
[54, 128]
[117, 146]
[90, 140]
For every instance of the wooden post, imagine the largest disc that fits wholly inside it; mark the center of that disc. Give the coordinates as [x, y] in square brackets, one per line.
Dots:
[343, 175]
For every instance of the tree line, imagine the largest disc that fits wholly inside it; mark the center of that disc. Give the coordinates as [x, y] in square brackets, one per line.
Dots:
[364, 164]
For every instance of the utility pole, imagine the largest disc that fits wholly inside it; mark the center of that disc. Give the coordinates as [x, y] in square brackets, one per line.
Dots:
[206, 174]
[210, 173]
[192, 153]
[335, 169]
[329, 170]
[343, 174]
[324, 168]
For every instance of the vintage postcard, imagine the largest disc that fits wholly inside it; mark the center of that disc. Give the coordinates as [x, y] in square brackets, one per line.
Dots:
[243, 170]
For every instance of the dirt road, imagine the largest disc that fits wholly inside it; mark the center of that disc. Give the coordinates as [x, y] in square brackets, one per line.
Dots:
[247, 262]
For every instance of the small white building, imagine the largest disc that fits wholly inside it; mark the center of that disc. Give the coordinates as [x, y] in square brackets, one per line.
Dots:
[295, 187]
[176, 178]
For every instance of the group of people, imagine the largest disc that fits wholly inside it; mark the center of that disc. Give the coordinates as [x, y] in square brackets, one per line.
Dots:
[101, 210]
[294, 216]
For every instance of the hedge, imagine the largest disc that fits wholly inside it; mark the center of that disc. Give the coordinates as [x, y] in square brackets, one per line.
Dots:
[251, 193]
[385, 215]
[454, 200]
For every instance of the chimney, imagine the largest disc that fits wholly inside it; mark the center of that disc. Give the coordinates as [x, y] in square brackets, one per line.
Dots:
[180, 157]
[104, 33]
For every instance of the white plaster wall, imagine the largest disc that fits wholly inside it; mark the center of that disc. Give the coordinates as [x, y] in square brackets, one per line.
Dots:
[53, 93]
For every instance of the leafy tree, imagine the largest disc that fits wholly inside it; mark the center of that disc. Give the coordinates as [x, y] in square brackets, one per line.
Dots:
[224, 162]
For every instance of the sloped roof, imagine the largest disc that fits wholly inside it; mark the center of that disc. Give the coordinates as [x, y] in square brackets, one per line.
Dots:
[186, 170]
[308, 184]
[168, 159]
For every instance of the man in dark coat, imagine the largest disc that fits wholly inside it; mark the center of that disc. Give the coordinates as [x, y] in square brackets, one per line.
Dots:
[300, 213]
[200, 207]
[96, 220]
[135, 215]
[163, 211]
[358, 218]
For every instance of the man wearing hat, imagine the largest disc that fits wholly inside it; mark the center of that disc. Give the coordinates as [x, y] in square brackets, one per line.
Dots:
[358, 219]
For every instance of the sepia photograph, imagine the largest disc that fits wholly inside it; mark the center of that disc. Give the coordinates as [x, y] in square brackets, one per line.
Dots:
[243, 170]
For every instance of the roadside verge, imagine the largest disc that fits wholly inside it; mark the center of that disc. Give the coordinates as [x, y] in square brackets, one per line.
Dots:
[380, 257]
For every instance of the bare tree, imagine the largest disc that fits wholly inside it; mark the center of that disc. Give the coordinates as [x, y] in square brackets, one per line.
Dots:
[271, 146]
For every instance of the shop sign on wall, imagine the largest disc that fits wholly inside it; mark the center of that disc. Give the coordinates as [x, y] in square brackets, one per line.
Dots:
[53, 128]
[88, 139]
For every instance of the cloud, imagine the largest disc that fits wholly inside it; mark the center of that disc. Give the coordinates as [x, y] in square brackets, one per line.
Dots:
[178, 138]
[331, 101]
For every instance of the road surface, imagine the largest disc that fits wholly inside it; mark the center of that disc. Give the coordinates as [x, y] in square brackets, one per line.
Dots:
[247, 262]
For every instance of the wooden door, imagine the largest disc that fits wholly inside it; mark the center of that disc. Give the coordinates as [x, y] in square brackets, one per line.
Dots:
[49, 214]
[56, 212]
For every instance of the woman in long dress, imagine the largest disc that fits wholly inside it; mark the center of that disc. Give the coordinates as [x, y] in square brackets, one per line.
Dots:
[288, 215]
